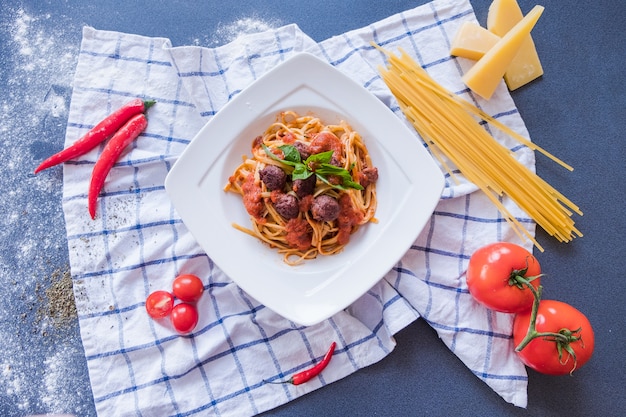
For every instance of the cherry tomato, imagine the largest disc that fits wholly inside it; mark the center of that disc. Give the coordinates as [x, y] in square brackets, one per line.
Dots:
[188, 288]
[492, 277]
[184, 317]
[543, 353]
[159, 304]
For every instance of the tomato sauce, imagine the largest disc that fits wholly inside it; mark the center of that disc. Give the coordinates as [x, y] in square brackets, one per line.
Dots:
[252, 199]
[289, 138]
[298, 234]
[326, 141]
[275, 195]
[348, 218]
[305, 203]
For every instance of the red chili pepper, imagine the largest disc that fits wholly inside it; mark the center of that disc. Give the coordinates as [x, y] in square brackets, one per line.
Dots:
[113, 149]
[306, 375]
[98, 133]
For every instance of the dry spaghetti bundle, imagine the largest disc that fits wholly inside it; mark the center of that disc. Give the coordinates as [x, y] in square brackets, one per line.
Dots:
[450, 126]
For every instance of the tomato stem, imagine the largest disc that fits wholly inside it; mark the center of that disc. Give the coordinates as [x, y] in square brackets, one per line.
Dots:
[532, 331]
[563, 338]
[519, 279]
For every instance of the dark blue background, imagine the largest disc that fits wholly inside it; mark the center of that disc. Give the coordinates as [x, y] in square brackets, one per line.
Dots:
[577, 111]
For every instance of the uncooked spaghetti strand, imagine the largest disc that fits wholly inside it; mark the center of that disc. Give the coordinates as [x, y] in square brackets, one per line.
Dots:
[404, 63]
[490, 165]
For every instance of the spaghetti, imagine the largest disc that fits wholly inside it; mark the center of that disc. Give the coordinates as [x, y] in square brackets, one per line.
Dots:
[307, 186]
[449, 126]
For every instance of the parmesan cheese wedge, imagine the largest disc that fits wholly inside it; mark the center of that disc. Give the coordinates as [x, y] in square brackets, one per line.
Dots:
[526, 66]
[484, 76]
[472, 41]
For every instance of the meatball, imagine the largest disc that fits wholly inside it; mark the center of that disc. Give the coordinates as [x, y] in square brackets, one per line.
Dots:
[305, 187]
[287, 206]
[273, 177]
[325, 208]
[257, 142]
[326, 141]
[368, 176]
[303, 149]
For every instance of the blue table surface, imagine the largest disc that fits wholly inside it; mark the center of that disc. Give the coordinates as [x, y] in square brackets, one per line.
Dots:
[577, 110]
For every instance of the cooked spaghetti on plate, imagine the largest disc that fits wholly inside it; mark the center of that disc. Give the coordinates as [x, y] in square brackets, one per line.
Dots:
[307, 186]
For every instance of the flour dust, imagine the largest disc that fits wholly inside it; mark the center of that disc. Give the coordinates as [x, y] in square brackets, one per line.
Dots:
[230, 31]
[38, 372]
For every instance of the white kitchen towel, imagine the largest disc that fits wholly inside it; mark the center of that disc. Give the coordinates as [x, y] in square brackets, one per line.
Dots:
[138, 244]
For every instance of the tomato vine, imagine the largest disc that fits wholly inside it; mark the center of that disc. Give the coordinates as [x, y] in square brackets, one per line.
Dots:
[564, 340]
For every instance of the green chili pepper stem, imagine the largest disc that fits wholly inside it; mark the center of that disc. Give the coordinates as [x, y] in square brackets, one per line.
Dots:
[147, 104]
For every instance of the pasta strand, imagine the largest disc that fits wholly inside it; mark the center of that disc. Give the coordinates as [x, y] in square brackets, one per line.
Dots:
[450, 127]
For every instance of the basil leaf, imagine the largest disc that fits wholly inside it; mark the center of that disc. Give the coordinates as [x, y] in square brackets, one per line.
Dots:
[346, 178]
[269, 153]
[320, 158]
[329, 169]
[325, 180]
[343, 186]
[291, 153]
[352, 184]
[300, 172]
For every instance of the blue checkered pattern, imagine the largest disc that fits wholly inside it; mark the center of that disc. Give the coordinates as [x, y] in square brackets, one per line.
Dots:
[137, 243]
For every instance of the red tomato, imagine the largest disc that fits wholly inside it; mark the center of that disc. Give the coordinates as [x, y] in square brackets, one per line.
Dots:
[542, 353]
[184, 317]
[491, 274]
[159, 304]
[188, 288]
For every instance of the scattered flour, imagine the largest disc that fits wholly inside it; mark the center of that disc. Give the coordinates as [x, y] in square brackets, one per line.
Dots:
[52, 393]
[228, 32]
[38, 372]
[39, 70]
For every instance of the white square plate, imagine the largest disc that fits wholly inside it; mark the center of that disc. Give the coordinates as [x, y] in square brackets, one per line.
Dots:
[408, 188]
